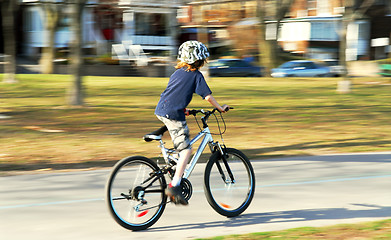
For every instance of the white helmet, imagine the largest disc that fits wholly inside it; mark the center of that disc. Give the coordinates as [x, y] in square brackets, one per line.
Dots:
[192, 51]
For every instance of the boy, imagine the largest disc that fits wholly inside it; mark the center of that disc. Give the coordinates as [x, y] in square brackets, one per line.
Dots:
[185, 81]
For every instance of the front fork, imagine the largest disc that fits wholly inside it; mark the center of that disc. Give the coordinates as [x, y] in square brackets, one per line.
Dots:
[224, 158]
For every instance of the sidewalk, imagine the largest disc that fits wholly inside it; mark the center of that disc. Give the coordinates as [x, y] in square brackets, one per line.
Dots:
[290, 192]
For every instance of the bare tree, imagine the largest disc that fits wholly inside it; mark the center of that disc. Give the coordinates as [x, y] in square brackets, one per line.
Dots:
[53, 15]
[76, 92]
[8, 12]
[350, 15]
[268, 47]
[265, 48]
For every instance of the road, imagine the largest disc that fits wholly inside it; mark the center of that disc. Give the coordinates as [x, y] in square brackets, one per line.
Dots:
[291, 192]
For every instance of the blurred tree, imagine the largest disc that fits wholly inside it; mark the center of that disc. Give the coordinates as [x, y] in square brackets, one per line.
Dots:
[266, 48]
[354, 9]
[274, 10]
[8, 9]
[53, 14]
[76, 91]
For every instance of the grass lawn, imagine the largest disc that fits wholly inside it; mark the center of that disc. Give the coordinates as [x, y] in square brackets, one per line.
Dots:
[272, 118]
[378, 230]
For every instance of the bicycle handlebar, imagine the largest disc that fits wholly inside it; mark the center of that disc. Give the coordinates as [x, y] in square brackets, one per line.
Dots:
[206, 116]
[206, 113]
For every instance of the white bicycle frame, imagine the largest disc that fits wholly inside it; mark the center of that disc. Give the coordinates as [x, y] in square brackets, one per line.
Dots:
[207, 140]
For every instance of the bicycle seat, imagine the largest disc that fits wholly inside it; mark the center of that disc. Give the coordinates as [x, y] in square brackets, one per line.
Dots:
[155, 135]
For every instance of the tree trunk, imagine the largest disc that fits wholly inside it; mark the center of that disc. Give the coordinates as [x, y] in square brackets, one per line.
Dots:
[268, 48]
[344, 85]
[76, 92]
[264, 46]
[8, 13]
[345, 21]
[389, 48]
[48, 54]
[350, 14]
[282, 8]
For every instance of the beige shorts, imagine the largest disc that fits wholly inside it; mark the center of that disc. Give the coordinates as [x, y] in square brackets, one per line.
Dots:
[179, 132]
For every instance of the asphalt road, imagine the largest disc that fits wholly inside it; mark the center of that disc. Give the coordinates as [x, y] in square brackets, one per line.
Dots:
[291, 192]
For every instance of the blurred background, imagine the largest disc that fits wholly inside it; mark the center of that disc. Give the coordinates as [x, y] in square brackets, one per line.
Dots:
[124, 37]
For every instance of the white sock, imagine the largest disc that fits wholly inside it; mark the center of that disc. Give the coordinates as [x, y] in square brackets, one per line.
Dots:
[176, 181]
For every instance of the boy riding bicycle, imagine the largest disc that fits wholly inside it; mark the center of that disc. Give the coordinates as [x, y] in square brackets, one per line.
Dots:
[185, 81]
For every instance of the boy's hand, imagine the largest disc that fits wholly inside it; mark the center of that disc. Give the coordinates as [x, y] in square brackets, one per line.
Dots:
[224, 108]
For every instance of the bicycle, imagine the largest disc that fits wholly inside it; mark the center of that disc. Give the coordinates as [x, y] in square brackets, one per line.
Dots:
[135, 187]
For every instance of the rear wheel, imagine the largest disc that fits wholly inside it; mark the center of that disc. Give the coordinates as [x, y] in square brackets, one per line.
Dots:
[135, 193]
[229, 187]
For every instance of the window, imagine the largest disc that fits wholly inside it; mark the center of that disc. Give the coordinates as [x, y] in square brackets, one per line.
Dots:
[239, 64]
[323, 7]
[311, 7]
[65, 22]
[151, 24]
[33, 21]
[324, 31]
[309, 65]
[311, 4]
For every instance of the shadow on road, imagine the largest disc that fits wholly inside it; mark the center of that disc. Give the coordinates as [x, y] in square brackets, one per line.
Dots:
[264, 154]
[352, 157]
[363, 211]
[278, 151]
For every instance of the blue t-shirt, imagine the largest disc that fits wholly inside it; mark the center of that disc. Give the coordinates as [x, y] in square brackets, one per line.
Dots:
[179, 92]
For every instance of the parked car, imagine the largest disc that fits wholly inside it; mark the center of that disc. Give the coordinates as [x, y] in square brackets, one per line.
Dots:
[336, 69]
[301, 68]
[233, 68]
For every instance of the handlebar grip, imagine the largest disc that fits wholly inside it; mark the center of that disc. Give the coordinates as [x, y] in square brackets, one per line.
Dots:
[227, 109]
[193, 112]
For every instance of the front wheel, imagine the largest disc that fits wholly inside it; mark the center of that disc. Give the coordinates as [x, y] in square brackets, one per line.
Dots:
[135, 193]
[229, 182]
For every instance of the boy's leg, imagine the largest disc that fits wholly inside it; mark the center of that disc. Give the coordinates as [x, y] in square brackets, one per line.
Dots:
[179, 132]
[181, 166]
[174, 190]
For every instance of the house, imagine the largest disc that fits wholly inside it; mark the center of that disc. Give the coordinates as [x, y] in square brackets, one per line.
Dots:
[151, 24]
[312, 29]
[34, 33]
[211, 21]
[147, 24]
[157, 27]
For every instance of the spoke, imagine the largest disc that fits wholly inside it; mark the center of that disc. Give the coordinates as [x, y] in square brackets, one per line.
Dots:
[154, 191]
[119, 198]
[151, 207]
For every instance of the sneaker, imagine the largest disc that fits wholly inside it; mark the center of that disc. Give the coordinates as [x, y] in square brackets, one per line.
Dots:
[175, 194]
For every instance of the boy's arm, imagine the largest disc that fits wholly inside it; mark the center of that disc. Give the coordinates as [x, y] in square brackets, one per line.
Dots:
[214, 103]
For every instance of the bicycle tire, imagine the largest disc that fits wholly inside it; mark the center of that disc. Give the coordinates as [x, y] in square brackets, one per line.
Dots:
[125, 193]
[229, 198]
